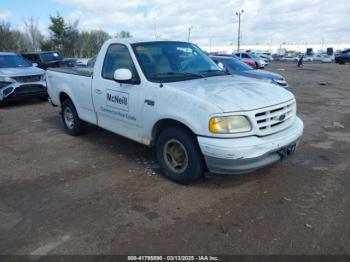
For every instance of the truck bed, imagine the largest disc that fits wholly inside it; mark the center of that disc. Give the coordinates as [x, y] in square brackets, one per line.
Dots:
[74, 71]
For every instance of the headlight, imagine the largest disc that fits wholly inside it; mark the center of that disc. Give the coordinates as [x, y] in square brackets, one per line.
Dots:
[229, 125]
[7, 79]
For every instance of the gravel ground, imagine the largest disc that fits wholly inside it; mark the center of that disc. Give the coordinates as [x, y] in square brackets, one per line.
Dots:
[103, 194]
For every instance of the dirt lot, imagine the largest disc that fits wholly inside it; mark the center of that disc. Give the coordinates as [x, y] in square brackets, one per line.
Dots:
[103, 194]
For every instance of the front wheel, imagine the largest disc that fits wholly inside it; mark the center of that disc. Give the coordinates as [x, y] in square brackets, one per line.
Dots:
[179, 156]
[73, 125]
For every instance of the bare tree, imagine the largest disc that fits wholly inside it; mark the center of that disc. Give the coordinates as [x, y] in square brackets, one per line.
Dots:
[13, 40]
[33, 32]
[123, 34]
[89, 43]
[5, 36]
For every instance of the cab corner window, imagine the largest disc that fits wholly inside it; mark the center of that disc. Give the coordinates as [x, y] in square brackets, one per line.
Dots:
[118, 57]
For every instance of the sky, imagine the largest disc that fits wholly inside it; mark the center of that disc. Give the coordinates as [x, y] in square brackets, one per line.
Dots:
[212, 21]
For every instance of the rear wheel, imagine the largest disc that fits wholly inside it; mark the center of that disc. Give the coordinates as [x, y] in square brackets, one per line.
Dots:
[73, 125]
[179, 156]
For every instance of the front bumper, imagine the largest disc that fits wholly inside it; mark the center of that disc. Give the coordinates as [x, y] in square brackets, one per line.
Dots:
[23, 90]
[243, 155]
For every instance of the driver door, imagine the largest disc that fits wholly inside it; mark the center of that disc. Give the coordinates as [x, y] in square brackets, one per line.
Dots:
[118, 105]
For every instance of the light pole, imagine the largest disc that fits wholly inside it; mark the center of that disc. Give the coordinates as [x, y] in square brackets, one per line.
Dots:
[189, 33]
[155, 28]
[239, 29]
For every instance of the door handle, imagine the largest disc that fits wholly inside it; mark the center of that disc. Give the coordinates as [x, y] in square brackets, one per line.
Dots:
[98, 91]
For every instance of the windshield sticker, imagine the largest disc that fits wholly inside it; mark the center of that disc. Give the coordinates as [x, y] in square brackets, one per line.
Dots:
[118, 99]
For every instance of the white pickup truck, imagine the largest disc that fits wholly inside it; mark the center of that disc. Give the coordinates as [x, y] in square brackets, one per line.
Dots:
[171, 95]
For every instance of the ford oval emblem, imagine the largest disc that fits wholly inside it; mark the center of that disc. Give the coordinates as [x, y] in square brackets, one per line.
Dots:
[282, 117]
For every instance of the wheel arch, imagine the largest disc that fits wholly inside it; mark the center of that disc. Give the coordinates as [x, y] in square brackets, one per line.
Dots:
[63, 95]
[165, 123]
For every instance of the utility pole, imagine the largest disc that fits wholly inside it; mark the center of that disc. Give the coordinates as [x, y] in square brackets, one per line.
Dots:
[239, 29]
[155, 28]
[210, 45]
[189, 33]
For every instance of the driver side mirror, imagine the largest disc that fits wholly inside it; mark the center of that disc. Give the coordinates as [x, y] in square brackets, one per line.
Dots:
[35, 64]
[122, 75]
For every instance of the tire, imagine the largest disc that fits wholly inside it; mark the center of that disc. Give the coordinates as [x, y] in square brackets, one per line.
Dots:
[73, 125]
[177, 142]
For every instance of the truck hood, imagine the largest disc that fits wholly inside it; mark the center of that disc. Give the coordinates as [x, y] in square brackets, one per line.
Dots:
[21, 71]
[234, 93]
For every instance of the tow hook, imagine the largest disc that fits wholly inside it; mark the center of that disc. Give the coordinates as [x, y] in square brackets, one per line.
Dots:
[287, 151]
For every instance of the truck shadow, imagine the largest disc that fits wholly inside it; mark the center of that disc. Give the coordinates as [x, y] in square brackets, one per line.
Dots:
[21, 103]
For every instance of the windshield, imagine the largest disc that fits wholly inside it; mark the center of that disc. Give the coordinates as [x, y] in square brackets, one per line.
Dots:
[174, 61]
[49, 57]
[10, 61]
[235, 64]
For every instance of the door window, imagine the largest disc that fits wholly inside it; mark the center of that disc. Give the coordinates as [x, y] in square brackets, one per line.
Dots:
[118, 57]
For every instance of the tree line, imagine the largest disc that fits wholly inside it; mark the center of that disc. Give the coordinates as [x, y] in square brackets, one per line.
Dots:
[64, 37]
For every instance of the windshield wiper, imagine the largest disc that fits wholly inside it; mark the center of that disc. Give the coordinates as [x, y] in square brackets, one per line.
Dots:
[179, 73]
[214, 71]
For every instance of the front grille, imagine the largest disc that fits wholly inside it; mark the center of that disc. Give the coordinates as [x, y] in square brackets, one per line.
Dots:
[29, 89]
[275, 118]
[27, 79]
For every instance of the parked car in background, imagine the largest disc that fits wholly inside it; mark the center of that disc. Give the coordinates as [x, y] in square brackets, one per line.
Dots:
[91, 62]
[323, 58]
[266, 56]
[44, 60]
[260, 63]
[343, 57]
[170, 95]
[247, 61]
[20, 79]
[277, 57]
[309, 58]
[235, 66]
[290, 58]
[72, 62]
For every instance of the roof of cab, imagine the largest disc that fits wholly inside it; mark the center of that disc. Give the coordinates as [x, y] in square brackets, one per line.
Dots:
[139, 40]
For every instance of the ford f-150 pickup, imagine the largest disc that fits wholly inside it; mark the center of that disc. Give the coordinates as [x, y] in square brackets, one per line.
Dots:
[172, 96]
